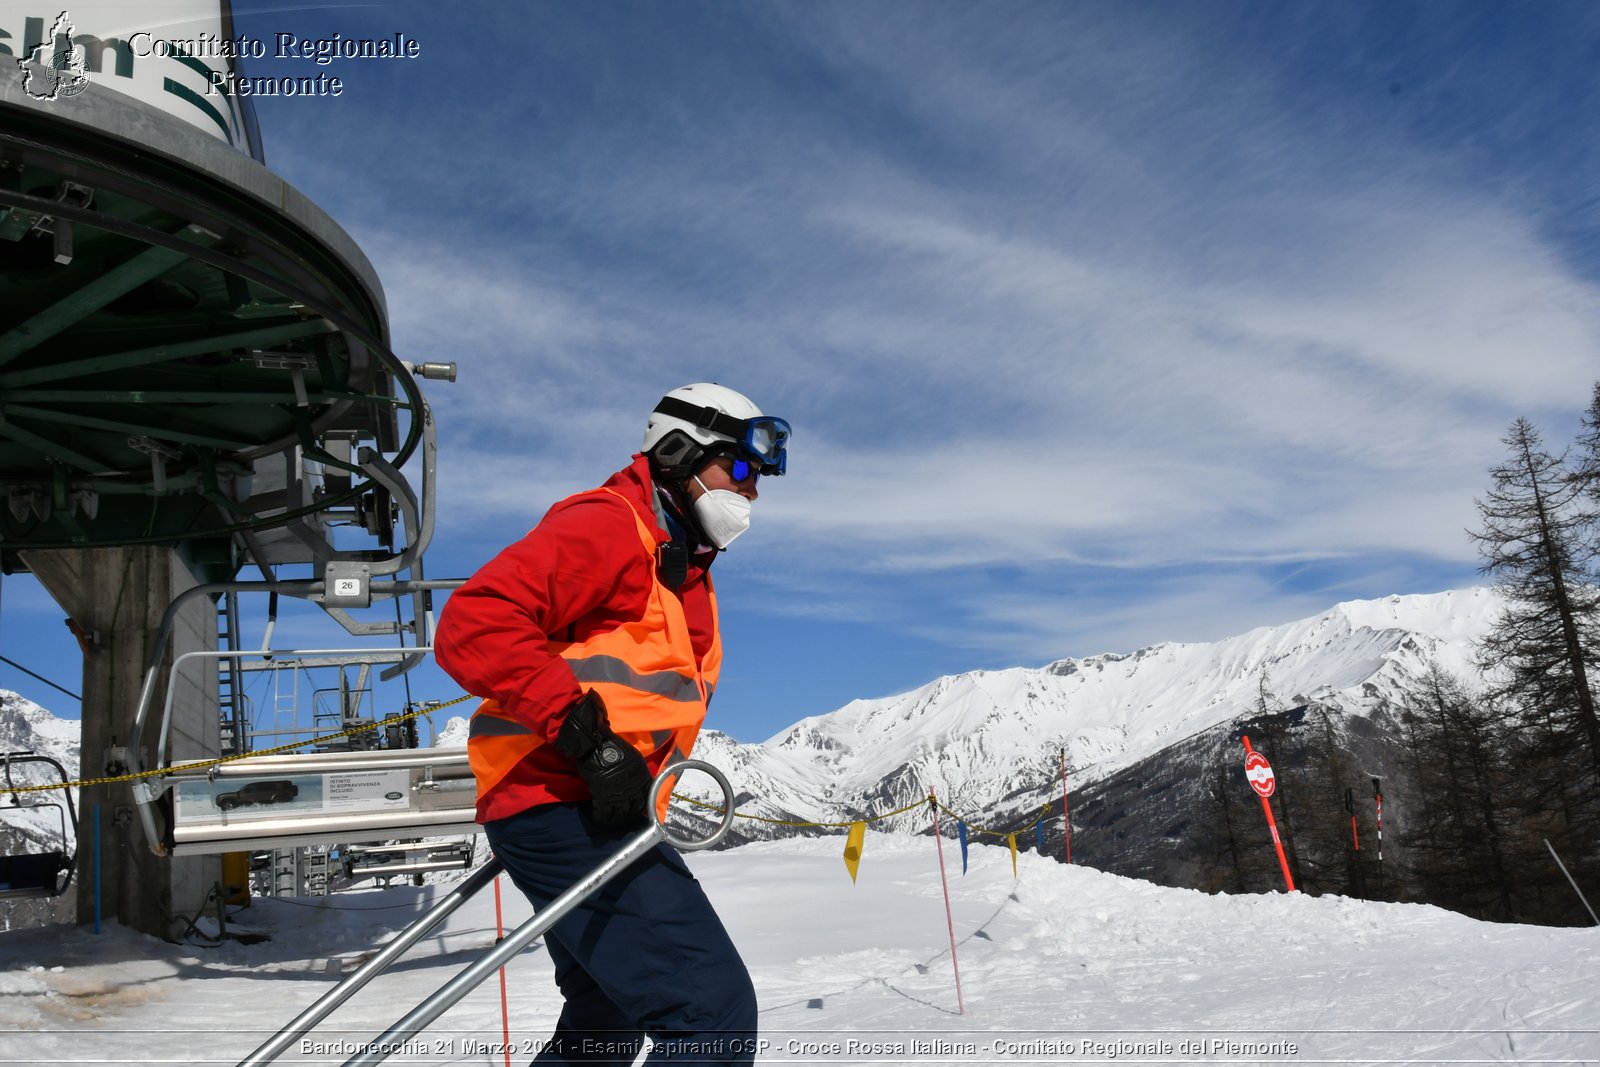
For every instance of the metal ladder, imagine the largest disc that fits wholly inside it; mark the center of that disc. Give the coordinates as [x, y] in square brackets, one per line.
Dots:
[230, 701]
[285, 706]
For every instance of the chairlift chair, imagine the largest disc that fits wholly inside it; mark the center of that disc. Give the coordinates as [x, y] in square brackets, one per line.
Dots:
[37, 874]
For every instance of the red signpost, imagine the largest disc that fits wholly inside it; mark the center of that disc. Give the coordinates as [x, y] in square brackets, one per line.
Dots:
[1264, 782]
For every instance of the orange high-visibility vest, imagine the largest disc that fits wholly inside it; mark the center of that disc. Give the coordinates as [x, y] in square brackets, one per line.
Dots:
[646, 672]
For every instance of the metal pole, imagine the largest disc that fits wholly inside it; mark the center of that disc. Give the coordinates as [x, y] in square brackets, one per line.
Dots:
[1570, 879]
[342, 992]
[97, 868]
[394, 1039]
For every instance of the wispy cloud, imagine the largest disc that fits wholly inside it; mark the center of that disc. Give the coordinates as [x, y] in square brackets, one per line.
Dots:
[1072, 290]
[1018, 390]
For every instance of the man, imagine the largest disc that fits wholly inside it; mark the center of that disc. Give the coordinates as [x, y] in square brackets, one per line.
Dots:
[594, 642]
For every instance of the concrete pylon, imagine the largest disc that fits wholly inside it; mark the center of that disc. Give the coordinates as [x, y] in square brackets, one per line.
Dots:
[115, 598]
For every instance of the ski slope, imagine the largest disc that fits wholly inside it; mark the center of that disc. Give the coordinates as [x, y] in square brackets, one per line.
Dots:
[1061, 965]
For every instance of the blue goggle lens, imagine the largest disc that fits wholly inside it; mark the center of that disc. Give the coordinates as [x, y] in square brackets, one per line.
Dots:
[767, 439]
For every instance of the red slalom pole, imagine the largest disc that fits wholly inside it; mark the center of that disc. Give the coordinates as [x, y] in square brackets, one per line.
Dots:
[933, 805]
[1066, 823]
[1259, 773]
[499, 935]
[1359, 877]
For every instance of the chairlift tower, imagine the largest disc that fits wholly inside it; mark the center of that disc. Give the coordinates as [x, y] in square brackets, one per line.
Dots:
[194, 375]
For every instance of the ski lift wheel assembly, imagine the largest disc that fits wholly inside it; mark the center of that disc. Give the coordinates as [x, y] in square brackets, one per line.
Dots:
[170, 313]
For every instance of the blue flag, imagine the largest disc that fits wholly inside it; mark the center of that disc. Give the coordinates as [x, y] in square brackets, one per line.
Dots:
[1038, 835]
[961, 832]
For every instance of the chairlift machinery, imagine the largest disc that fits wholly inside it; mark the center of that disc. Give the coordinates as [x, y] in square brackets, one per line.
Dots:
[193, 354]
[336, 795]
[383, 862]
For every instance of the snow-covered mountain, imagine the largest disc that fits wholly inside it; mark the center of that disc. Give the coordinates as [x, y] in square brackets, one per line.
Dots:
[27, 727]
[988, 740]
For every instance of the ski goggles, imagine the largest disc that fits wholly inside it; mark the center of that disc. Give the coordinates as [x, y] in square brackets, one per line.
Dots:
[767, 440]
[764, 439]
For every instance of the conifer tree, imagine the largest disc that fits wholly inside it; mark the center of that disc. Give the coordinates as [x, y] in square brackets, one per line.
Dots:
[1536, 541]
[1334, 843]
[1459, 843]
[1585, 476]
[1239, 857]
[1221, 790]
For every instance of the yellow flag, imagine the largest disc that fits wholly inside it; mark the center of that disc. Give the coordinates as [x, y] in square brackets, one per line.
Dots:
[1011, 839]
[852, 847]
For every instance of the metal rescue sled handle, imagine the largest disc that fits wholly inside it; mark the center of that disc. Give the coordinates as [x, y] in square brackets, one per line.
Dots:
[395, 1038]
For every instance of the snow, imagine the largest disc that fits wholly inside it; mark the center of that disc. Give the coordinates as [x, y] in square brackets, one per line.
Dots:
[1061, 965]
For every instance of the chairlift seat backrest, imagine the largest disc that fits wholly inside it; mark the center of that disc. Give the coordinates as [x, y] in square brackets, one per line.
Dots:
[36, 874]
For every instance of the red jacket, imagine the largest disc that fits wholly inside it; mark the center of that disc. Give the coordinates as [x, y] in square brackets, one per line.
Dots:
[577, 573]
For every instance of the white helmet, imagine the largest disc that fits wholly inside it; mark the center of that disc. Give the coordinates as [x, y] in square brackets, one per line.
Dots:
[694, 420]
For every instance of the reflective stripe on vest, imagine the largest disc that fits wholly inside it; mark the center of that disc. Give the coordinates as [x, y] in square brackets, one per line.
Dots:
[613, 670]
[645, 671]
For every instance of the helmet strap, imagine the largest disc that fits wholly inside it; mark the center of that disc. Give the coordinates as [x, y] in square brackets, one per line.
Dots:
[702, 415]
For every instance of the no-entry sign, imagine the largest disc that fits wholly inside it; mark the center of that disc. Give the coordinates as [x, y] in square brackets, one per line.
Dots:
[1259, 772]
[1263, 781]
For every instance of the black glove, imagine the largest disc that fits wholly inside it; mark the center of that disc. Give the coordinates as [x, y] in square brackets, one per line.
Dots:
[617, 776]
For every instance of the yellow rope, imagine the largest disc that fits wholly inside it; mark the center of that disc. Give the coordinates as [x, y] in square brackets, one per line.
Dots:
[1044, 811]
[290, 747]
[787, 822]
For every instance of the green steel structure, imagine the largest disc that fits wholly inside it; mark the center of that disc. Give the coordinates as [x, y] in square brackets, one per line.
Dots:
[182, 335]
[195, 374]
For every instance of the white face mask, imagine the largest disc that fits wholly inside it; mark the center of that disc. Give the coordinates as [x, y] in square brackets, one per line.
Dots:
[723, 514]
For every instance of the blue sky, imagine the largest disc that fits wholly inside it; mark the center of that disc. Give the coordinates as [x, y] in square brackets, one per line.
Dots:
[1098, 324]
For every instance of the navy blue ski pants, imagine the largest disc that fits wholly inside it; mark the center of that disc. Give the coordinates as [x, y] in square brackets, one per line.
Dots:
[646, 954]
